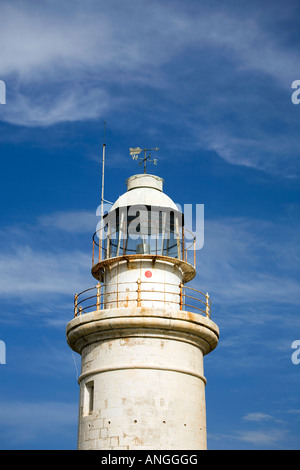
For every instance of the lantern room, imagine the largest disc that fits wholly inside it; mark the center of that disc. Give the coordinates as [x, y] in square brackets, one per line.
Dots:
[143, 220]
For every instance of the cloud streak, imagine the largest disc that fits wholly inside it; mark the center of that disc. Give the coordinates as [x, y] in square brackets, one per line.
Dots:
[206, 63]
[248, 260]
[248, 266]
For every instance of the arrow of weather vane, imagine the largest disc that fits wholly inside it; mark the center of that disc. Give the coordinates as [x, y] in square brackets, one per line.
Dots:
[134, 152]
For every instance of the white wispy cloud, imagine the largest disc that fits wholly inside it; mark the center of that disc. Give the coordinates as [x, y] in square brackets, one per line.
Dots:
[105, 38]
[49, 257]
[77, 103]
[257, 417]
[295, 412]
[45, 272]
[263, 438]
[84, 63]
[264, 431]
[70, 221]
[242, 258]
[247, 265]
[247, 260]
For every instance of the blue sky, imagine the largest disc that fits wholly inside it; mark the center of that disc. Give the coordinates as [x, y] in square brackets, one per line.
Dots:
[207, 82]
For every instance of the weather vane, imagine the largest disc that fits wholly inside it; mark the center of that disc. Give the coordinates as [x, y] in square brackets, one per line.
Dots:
[134, 152]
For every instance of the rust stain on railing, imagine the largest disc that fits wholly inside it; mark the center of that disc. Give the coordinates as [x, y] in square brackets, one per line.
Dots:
[101, 299]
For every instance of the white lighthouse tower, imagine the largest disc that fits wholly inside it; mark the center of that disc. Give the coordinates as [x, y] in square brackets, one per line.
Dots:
[141, 331]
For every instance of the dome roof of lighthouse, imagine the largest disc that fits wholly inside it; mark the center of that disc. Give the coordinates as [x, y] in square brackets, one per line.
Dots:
[146, 190]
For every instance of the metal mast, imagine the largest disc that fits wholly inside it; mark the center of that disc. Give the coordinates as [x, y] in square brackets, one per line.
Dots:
[103, 165]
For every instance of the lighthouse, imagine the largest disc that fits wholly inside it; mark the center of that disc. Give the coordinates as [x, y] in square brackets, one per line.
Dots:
[141, 331]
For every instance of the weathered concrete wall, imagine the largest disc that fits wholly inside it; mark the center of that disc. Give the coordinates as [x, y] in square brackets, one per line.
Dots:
[142, 384]
[160, 289]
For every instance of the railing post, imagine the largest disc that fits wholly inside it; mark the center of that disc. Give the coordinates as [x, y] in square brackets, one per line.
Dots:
[195, 252]
[138, 292]
[80, 310]
[99, 255]
[93, 253]
[108, 242]
[164, 218]
[177, 237]
[125, 236]
[75, 305]
[207, 310]
[98, 304]
[120, 234]
[180, 295]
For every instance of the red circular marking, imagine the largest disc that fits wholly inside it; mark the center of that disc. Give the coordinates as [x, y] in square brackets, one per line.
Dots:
[148, 273]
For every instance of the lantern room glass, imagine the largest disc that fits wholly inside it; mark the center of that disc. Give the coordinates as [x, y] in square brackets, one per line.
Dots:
[137, 231]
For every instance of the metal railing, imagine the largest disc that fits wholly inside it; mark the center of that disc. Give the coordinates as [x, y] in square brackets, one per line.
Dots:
[200, 301]
[180, 244]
